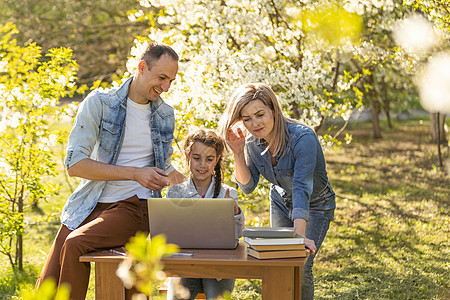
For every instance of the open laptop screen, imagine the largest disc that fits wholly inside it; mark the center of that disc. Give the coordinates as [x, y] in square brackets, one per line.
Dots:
[202, 223]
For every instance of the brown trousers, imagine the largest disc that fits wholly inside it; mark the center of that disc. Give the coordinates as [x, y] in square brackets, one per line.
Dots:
[109, 225]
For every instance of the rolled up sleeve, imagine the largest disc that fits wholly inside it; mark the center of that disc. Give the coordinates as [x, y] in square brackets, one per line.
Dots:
[85, 130]
[305, 152]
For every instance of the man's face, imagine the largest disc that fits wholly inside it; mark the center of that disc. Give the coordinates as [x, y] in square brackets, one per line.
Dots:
[159, 78]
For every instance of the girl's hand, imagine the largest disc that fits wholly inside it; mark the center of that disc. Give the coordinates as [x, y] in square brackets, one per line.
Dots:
[236, 207]
[309, 244]
[236, 141]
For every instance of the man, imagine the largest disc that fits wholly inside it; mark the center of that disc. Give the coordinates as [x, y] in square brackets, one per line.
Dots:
[120, 145]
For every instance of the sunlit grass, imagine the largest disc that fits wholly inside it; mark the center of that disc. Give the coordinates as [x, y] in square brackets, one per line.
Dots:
[389, 238]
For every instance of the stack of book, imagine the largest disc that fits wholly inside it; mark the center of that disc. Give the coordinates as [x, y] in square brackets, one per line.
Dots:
[274, 242]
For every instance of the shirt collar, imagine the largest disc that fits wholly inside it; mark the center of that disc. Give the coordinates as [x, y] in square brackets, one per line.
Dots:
[192, 192]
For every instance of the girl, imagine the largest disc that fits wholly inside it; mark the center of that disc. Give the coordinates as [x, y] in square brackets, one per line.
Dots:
[204, 151]
[288, 154]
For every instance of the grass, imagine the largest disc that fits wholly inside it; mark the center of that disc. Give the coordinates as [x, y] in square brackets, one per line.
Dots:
[389, 238]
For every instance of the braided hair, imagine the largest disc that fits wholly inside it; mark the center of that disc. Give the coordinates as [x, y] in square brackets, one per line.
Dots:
[210, 139]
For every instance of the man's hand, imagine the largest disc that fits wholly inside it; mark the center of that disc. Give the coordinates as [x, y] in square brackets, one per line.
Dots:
[152, 178]
[149, 177]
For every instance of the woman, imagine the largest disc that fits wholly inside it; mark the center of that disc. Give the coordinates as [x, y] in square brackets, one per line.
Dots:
[288, 154]
[204, 150]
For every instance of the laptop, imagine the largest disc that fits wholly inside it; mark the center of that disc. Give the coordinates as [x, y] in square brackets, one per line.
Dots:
[200, 223]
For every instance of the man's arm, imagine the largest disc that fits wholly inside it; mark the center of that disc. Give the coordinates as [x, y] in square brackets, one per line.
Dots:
[149, 177]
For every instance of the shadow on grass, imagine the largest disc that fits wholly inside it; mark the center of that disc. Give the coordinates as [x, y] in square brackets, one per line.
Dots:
[380, 261]
[389, 239]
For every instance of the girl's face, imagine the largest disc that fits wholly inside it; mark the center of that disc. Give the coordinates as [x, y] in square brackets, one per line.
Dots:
[202, 162]
[258, 119]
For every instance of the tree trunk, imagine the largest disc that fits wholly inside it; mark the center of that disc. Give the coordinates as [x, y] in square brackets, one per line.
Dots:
[19, 242]
[386, 103]
[375, 112]
[435, 129]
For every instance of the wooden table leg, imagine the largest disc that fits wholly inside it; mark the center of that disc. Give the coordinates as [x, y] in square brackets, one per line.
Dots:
[107, 285]
[278, 283]
[297, 283]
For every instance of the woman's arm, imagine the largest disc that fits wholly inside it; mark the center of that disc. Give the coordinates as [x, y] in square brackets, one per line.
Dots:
[300, 228]
[236, 142]
[305, 152]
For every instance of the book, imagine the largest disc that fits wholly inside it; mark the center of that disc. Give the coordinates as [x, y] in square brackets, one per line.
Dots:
[276, 254]
[269, 232]
[278, 247]
[298, 239]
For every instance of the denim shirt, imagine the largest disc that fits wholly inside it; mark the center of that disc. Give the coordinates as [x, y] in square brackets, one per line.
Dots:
[299, 176]
[97, 134]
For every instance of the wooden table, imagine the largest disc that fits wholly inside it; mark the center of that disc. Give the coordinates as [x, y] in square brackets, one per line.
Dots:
[281, 278]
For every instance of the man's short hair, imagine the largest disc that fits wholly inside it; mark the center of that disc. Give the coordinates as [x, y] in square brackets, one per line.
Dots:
[154, 51]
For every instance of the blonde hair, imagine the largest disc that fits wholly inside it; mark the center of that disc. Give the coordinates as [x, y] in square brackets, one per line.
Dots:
[278, 137]
[211, 139]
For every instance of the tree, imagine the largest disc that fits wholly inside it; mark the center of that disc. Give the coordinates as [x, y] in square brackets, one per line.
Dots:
[30, 86]
[226, 43]
[437, 12]
[99, 32]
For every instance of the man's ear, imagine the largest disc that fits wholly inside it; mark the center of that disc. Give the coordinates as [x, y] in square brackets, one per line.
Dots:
[141, 66]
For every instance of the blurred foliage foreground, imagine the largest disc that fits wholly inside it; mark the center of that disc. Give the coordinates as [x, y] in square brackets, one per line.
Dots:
[389, 238]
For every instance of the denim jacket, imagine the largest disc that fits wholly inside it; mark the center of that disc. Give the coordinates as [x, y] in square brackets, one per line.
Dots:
[97, 134]
[299, 178]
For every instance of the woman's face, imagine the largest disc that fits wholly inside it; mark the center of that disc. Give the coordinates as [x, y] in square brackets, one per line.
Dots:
[258, 119]
[202, 161]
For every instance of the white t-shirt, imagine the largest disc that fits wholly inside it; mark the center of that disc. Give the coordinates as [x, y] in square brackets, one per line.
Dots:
[136, 151]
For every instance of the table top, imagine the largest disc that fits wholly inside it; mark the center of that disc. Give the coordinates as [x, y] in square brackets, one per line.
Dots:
[236, 256]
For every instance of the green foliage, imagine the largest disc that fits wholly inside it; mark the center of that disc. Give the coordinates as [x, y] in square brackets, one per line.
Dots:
[332, 23]
[30, 86]
[48, 291]
[99, 31]
[143, 268]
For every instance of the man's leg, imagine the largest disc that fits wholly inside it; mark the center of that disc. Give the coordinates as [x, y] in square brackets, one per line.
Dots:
[52, 267]
[112, 228]
[110, 225]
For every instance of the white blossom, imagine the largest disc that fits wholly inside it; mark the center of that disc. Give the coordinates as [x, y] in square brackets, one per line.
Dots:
[434, 84]
[415, 34]
[3, 66]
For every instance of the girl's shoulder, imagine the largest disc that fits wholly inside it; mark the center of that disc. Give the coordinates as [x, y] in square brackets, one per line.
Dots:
[178, 190]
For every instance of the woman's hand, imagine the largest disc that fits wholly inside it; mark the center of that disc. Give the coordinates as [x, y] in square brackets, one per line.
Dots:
[309, 244]
[300, 227]
[236, 141]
